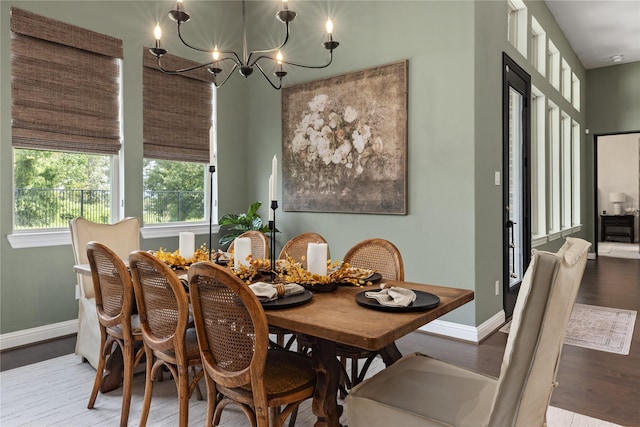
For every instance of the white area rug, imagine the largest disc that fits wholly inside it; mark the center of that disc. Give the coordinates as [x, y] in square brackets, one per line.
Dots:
[619, 250]
[55, 393]
[598, 328]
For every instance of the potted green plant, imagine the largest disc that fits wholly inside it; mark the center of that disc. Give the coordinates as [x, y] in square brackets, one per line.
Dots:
[236, 224]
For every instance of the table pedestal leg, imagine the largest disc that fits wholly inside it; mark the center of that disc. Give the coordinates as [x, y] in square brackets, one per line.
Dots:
[390, 354]
[325, 400]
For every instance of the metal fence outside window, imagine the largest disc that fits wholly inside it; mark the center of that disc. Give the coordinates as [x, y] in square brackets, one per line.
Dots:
[53, 208]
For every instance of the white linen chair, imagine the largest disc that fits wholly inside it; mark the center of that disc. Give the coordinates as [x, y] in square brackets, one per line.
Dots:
[420, 391]
[122, 237]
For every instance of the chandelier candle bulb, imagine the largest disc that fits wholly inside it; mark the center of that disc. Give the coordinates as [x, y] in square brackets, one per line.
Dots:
[187, 244]
[242, 249]
[285, 5]
[317, 258]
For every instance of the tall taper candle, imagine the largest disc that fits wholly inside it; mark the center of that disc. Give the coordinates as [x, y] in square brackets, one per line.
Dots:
[274, 174]
[271, 213]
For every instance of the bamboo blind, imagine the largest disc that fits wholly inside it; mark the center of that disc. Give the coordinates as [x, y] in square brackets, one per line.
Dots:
[177, 111]
[65, 86]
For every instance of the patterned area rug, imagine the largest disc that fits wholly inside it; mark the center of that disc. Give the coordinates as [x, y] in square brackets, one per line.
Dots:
[598, 328]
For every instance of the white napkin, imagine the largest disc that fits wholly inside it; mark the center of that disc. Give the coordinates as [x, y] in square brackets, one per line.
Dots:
[393, 296]
[270, 292]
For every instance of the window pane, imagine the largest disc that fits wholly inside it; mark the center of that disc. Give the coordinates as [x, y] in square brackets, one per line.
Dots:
[53, 187]
[173, 191]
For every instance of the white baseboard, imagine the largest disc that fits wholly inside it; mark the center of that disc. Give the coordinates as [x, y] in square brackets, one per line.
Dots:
[465, 332]
[41, 333]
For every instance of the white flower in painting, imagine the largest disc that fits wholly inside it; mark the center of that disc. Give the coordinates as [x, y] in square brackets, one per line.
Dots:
[299, 142]
[377, 145]
[358, 141]
[334, 120]
[359, 169]
[350, 114]
[319, 102]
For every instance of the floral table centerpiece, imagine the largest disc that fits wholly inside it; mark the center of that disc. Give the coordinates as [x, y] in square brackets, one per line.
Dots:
[339, 272]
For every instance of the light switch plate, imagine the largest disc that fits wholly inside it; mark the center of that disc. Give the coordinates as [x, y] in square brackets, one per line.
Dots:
[497, 178]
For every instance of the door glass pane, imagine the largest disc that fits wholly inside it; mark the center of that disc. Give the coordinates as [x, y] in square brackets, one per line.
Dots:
[515, 202]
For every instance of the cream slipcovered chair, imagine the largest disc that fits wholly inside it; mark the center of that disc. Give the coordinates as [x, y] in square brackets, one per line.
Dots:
[420, 391]
[122, 238]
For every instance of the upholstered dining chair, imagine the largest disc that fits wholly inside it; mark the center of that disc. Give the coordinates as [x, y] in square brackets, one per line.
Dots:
[383, 257]
[239, 366]
[121, 237]
[296, 247]
[259, 244]
[421, 391]
[114, 298]
[163, 306]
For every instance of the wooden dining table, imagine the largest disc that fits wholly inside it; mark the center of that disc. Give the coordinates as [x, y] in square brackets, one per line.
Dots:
[335, 317]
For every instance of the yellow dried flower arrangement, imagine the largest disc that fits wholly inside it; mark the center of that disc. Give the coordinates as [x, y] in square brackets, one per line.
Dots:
[177, 262]
[339, 272]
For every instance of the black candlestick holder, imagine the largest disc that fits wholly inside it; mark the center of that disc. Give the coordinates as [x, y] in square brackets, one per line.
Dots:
[212, 170]
[272, 247]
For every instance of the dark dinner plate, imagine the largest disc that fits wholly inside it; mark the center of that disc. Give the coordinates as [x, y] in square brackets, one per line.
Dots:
[291, 301]
[424, 301]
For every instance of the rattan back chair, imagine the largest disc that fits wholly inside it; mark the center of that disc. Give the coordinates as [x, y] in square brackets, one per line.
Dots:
[383, 257]
[239, 366]
[259, 244]
[296, 248]
[113, 292]
[163, 305]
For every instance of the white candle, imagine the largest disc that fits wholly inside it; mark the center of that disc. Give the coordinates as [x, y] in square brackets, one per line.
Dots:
[271, 213]
[317, 258]
[274, 174]
[213, 146]
[241, 250]
[187, 244]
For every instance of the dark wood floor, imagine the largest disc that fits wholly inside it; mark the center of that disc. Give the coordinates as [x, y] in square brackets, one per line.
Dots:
[594, 383]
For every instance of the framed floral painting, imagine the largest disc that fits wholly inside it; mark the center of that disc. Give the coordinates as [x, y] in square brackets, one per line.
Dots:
[344, 143]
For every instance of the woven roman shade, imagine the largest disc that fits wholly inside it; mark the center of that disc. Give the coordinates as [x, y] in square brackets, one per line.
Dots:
[65, 83]
[177, 111]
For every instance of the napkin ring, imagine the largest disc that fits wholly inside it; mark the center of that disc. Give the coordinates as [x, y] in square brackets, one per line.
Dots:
[279, 289]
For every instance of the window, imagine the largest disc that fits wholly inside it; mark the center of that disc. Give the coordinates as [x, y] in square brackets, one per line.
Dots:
[566, 80]
[553, 56]
[65, 114]
[576, 187]
[517, 25]
[538, 165]
[178, 118]
[567, 198]
[538, 47]
[554, 169]
[575, 98]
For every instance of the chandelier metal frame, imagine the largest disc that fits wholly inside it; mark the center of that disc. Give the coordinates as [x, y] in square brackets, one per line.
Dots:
[249, 60]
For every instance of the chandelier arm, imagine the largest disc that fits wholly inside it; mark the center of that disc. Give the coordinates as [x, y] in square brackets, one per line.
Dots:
[267, 77]
[295, 64]
[235, 67]
[181, 70]
[184, 42]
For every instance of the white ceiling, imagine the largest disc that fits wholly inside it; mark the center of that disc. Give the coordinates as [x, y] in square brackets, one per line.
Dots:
[600, 29]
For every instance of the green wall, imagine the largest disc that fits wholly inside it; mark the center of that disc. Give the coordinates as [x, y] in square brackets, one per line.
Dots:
[452, 233]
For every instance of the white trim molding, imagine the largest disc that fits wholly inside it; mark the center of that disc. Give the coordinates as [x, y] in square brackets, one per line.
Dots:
[40, 333]
[465, 332]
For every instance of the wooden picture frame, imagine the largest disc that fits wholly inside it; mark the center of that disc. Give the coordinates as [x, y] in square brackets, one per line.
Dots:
[344, 143]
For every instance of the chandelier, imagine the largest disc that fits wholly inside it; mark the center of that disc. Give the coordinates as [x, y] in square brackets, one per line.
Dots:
[248, 60]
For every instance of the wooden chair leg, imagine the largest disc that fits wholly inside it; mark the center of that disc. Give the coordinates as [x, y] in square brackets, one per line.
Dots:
[99, 371]
[148, 389]
[128, 356]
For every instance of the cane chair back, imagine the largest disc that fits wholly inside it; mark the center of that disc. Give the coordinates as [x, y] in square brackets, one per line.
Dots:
[259, 244]
[296, 248]
[379, 255]
[163, 306]
[113, 291]
[233, 335]
[383, 257]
